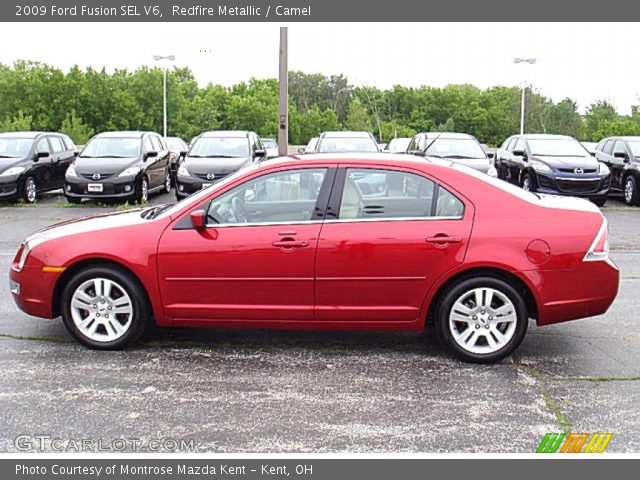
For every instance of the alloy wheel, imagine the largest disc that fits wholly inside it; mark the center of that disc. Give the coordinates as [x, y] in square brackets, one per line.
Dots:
[629, 190]
[102, 310]
[483, 320]
[30, 190]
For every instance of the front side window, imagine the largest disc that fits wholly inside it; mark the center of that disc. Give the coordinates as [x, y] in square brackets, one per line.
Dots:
[282, 197]
[608, 148]
[43, 145]
[387, 194]
[519, 145]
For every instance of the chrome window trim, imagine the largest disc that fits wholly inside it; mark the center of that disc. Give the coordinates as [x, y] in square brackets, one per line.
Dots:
[262, 224]
[344, 220]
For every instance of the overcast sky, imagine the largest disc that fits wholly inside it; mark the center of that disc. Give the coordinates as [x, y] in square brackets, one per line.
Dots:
[586, 62]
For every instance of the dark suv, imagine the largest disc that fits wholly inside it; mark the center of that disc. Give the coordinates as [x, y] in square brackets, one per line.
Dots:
[554, 164]
[32, 163]
[120, 165]
[214, 155]
[622, 156]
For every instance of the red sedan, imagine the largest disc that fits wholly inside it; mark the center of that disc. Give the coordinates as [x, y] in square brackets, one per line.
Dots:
[349, 242]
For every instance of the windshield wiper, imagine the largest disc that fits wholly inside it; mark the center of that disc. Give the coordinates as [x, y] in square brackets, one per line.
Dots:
[8, 156]
[111, 156]
[464, 157]
[153, 212]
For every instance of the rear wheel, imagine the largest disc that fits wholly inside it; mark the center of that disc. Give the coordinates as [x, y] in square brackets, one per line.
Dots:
[167, 181]
[631, 196]
[104, 308]
[30, 190]
[482, 319]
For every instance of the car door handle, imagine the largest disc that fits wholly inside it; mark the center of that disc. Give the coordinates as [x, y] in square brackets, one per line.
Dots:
[290, 243]
[441, 239]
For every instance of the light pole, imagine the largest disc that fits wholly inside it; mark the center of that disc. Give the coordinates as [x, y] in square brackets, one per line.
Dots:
[530, 61]
[159, 58]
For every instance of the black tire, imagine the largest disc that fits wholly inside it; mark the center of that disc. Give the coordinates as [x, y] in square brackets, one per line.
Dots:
[631, 196]
[527, 183]
[599, 201]
[141, 195]
[459, 290]
[74, 200]
[30, 190]
[168, 181]
[141, 317]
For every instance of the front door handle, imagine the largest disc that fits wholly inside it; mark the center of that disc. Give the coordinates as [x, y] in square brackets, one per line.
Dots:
[291, 243]
[442, 239]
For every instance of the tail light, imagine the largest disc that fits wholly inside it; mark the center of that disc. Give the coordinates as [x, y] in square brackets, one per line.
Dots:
[599, 249]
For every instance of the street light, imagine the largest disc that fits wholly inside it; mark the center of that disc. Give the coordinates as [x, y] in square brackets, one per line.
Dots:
[159, 58]
[530, 61]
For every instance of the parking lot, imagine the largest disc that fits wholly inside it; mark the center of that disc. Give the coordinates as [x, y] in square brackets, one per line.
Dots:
[270, 391]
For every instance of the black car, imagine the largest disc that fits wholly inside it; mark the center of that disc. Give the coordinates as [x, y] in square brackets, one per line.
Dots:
[177, 150]
[32, 163]
[213, 156]
[120, 165]
[554, 164]
[459, 148]
[622, 156]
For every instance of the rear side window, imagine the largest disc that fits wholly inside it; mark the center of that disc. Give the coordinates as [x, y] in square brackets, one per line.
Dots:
[56, 143]
[68, 143]
[388, 194]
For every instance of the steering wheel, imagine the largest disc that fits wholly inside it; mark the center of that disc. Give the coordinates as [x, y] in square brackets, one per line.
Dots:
[239, 210]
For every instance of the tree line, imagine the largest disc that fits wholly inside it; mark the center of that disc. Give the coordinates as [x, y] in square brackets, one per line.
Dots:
[80, 103]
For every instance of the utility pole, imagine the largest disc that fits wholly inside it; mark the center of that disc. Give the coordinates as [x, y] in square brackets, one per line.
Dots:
[283, 114]
[525, 61]
[161, 58]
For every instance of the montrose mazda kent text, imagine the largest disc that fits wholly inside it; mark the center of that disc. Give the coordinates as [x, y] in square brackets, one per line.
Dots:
[306, 242]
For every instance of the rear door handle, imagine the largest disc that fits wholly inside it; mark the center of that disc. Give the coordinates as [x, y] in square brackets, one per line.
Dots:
[443, 239]
[291, 243]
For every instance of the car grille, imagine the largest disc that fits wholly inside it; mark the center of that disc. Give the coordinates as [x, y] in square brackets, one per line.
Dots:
[545, 182]
[572, 170]
[579, 186]
[103, 176]
[217, 177]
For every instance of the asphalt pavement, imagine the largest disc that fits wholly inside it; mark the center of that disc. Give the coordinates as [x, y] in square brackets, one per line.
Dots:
[274, 391]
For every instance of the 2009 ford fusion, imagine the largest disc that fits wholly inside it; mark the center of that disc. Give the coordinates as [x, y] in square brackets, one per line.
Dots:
[329, 241]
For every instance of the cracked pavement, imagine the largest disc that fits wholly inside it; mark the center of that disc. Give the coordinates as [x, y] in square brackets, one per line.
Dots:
[275, 391]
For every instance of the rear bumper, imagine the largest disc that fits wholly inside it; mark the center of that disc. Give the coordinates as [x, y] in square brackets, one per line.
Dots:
[578, 293]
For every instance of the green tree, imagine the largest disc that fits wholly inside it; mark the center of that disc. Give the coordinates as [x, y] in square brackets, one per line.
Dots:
[18, 123]
[358, 118]
[73, 126]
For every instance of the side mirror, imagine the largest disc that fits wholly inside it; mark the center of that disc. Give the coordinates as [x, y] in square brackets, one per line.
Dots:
[593, 154]
[260, 153]
[183, 153]
[622, 155]
[301, 150]
[76, 153]
[519, 153]
[490, 155]
[40, 155]
[197, 219]
[150, 154]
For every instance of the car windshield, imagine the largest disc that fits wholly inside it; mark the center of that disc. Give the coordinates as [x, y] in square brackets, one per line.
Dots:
[455, 148]
[220, 147]
[268, 143]
[347, 144]
[557, 148]
[398, 144]
[15, 147]
[635, 148]
[115, 147]
[311, 146]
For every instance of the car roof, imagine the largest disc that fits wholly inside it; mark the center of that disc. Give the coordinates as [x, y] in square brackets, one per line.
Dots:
[123, 134]
[546, 136]
[446, 135]
[225, 134]
[346, 134]
[25, 134]
[623, 137]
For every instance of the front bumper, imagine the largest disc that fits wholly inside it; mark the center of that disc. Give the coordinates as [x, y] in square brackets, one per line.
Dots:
[554, 183]
[586, 291]
[32, 290]
[185, 186]
[114, 187]
[8, 189]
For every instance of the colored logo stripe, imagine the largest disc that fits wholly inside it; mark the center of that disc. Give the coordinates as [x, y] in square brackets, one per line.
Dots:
[550, 443]
[574, 442]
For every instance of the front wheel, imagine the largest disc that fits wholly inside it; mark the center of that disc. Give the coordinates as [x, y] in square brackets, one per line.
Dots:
[142, 194]
[526, 183]
[104, 308]
[30, 191]
[482, 319]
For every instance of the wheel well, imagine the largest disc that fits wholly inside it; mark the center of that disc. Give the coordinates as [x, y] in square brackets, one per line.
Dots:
[68, 274]
[508, 277]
